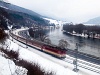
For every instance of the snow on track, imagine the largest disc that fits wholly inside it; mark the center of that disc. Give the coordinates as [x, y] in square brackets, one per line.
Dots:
[44, 63]
[48, 62]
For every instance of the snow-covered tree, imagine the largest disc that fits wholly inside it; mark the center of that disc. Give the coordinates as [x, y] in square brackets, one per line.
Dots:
[63, 43]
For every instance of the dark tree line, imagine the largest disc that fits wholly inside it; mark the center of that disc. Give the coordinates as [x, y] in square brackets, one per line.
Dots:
[37, 33]
[91, 31]
[3, 16]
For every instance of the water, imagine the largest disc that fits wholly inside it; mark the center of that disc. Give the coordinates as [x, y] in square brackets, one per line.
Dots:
[89, 46]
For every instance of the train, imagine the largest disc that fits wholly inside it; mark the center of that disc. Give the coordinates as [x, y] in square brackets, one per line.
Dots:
[39, 45]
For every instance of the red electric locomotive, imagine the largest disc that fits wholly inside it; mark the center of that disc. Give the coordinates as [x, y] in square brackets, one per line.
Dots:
[50, 49]
[54, 50]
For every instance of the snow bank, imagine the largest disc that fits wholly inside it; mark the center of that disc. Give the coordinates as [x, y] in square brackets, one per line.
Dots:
[46, 64]
[6, 66]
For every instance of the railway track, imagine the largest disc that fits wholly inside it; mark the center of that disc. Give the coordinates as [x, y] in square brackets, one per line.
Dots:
[83, 64]
[72, 53]
[83, 56]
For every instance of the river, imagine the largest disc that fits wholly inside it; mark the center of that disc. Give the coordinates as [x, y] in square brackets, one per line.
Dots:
[89, 46]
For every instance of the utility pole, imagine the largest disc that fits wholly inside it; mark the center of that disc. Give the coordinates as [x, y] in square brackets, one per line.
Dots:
[75, 61]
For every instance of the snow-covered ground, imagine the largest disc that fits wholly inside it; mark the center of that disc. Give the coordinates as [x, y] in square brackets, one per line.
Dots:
[56, 22]
[8, 67]
[82, 35]
[3, 7]
[45, 61]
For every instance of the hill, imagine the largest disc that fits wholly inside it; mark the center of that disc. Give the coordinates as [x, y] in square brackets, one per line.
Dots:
[93, 21]
[17, 8]
[12, 15]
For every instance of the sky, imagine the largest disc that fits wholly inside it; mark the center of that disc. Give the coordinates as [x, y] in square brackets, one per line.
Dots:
[76, 11]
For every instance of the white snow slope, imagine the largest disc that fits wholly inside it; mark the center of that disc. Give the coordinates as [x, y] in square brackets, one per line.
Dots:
[7, 67]
[43, 61]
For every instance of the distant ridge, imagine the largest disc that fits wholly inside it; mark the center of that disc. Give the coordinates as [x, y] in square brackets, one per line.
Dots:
[93, 21]
[18, 8]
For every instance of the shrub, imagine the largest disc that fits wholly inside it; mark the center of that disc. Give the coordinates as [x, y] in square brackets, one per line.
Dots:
[3, 35]
[11, 54]
[33, 69]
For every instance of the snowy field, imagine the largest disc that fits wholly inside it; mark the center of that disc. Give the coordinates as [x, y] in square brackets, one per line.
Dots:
[45, 63]
[4, 66]
[8, 67]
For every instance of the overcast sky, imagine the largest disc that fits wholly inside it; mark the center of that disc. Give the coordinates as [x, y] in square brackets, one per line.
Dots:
[70, 10]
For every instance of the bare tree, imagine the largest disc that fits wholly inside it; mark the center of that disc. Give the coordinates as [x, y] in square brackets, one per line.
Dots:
[47, 40]
[63, 43]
